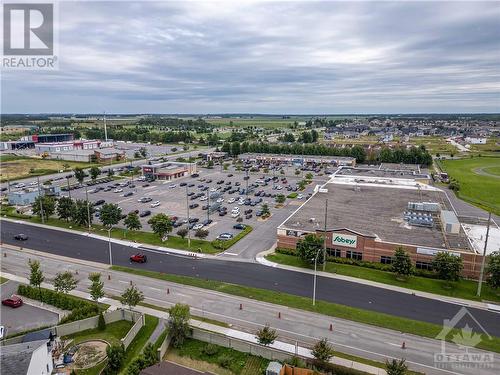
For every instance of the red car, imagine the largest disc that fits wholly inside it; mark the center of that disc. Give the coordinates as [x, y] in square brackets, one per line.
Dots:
[13, 301]
[139, 258]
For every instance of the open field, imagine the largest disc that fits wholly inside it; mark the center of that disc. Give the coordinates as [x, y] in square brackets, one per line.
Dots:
[479, 180]
[491, 148]
[435, 145]
[17, 167]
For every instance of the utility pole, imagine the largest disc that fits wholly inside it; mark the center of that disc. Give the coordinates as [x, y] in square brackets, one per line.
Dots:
[324, 244]
[208, 205]
[105, 129]
[187, 208]
[109, 246]
[246, 179]
[481, 274]
[88, 206]
[40, 198]
[69, 190]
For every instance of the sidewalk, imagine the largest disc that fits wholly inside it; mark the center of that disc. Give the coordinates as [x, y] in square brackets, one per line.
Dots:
[457, 301]
[229, 332]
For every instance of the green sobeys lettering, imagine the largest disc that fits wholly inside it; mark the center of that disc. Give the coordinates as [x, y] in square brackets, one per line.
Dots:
[344, 240]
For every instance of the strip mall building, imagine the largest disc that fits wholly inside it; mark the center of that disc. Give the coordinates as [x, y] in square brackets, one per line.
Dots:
[371, 212]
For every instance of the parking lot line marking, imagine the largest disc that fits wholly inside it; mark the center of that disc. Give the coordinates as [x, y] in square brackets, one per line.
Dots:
[226, 253]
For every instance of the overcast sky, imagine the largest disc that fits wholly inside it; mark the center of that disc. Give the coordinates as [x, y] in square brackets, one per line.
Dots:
[278, 57]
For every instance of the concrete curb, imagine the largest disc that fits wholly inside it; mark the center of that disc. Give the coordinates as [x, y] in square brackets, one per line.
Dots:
[260, 258]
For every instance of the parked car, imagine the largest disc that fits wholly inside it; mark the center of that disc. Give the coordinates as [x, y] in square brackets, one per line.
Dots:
[193, 205]
[21, 237]
[99, 202]
[119, 190]
[239, 226]
[13, 301]
[155, 204]
[224, 236]
[145, 185]
[171, 186]
[190, 185]
[197, 226]
[144, 199]
[194, 175]
[222, 213]
[230, 175]
[139, 258]
[183, 184]
[128, 194]
[145, 213]
[207, 221]
[193, 220]
[248, 216]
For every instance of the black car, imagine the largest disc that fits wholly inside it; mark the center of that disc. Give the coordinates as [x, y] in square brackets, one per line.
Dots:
[205, 207]
[207, 221]
[145, 213]
[194, 175]
[191, 185]
[239, 226]
[230, 175]
[222, 213]
[99, 202]
[194, 205]
[128, 194]
[145, 185]
[193, 220]
[131, 186]
[176, 224]
[237, 184]
[21, 237]
[190, 193]
[208, 181]
[248, 211]
[182, 184]
[246, 178]
[220, 182]
[249, 216]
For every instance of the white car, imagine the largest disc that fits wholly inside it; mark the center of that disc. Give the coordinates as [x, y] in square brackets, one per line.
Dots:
[34, 183]
[300, 196]
[231, 200]
[198, 226]
[172, 186]
[204, 198]
[235, 214]
[155, 204]
[279, 187]
[241, 203]
[235, 210]
[118, 190]
[19, 185]
[213, 189]
[225, 236]
[220, 200]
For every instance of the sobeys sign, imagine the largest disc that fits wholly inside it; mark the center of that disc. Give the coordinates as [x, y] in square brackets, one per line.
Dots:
[344, 240]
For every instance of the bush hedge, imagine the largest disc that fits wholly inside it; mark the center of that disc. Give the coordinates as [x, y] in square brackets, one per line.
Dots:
[223, 245]
[80, 309]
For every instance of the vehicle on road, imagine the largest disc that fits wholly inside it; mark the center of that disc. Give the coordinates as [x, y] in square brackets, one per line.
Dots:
[21, 237]
[155, 204]
[145, 213]
[99, 202]
[13, 301]
[171, 186]
[139, 258]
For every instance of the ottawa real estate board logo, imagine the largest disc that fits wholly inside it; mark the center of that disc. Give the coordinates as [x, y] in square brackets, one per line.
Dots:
[29, 36]
[460, 337]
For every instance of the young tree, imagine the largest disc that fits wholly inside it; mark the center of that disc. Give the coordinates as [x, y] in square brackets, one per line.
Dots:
[308, 248]
[143, 152]
[132, 221]
[280, 198]
[36, 275]
[80, 213]
[309, 176]
[44, 205]
[322, 350]
[182, 232]
[160, 224]
[65, 207]
[96, 288]
[131, 297]
[265, 210]
[396, 367]
[201, 233]
[178, 323]
[94, 172]
[401, 264]
[110, 214]
[150, 355]
[493, 270]
[266, 335]
[101, 323]
[64, 282]
[111, 172]
[447, 266]
[116, 354]
[79, 174]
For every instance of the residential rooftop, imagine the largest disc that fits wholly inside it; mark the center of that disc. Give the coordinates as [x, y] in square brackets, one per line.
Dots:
[376, 210]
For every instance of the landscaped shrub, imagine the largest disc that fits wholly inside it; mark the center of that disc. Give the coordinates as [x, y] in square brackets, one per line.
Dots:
[210, 350]
[224, 360]
[224, 245]
[80, 309]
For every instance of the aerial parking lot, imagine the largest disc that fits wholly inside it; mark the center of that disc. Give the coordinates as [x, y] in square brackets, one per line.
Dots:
[225, 192]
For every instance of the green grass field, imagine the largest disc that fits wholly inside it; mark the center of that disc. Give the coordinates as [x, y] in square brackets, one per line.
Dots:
[479, 179]
[465, 289]
[435, 145]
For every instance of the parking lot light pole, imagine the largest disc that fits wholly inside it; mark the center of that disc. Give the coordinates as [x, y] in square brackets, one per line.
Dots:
[88, 206]
[481, 275]
[208, 205]
[187, 208]
[40, 197]
[109, 246]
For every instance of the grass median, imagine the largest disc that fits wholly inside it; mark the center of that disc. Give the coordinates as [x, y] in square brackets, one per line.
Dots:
[326, 308]
[142, 237]
[465, 289]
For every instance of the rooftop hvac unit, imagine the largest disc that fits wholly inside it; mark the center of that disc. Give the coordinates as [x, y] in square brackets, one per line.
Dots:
[312, 219]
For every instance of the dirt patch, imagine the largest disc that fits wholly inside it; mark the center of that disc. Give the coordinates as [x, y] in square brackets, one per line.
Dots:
[88, 354]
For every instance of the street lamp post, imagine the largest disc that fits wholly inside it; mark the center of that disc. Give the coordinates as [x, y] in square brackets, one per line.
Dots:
[88, 206]
[187, 208]
[109, 246]
[315, 275]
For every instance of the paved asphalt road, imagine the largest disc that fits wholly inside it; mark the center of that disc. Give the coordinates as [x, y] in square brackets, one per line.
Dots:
[249, 274]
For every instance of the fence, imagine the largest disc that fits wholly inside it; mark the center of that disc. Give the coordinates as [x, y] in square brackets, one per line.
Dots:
[92, 322]
[239, 345]
[164, 347]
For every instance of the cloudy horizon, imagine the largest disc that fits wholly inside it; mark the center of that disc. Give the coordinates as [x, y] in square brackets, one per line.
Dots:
[267, 57]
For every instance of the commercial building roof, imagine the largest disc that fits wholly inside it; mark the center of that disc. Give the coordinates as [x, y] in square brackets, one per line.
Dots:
[404, 173]
[374, 211]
